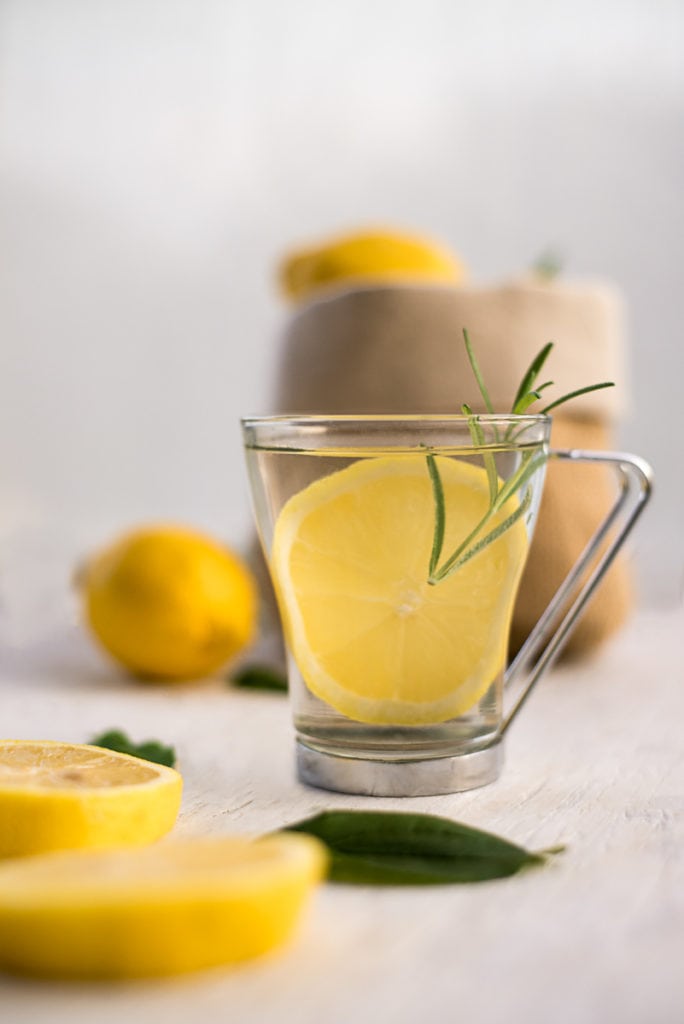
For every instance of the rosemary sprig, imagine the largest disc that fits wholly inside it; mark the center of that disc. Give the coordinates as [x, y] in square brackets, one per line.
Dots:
[500, 491]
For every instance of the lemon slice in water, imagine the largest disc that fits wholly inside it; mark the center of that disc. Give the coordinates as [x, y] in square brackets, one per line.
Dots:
[371, 637]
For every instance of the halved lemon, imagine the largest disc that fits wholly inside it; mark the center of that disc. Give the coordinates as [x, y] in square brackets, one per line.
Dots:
[170, 908]
[59, 796]
[371, 637]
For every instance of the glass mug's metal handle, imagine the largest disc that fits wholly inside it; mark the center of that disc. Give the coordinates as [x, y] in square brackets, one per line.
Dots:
[553, 628]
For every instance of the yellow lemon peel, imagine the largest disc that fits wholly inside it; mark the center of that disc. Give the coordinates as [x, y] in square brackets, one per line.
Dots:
[59, 796]
[170, 603]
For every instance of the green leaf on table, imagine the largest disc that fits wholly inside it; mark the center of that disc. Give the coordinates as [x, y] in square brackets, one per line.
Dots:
[259, 677]
[150, 750]
[394, 848]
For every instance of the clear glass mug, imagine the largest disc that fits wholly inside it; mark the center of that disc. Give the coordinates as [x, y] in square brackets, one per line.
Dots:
[396, 545]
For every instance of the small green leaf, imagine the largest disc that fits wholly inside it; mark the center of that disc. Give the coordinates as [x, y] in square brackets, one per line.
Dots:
[150, 750]
[548, 265]
[532, 373]
[259, 677]
[576, 394]
[523, 404]
[392, 848]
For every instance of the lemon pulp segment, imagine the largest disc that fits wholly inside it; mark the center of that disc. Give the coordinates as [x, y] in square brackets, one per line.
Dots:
[371, 637]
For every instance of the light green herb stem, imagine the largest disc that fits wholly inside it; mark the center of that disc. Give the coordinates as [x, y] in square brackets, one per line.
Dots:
[440, 516]
[530, 376]
[576, 394]
[478, 374]
[477, 434]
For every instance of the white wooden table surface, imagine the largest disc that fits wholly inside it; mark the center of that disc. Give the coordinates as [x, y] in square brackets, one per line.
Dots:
[596, 761]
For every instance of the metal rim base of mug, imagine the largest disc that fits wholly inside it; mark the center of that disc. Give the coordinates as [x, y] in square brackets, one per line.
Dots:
[363, 777]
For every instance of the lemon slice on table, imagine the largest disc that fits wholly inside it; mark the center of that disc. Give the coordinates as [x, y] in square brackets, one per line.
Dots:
[371, 637]
[58, 796]
[171, 908]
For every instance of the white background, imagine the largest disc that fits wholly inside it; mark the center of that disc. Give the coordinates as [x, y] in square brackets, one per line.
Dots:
[156, 158]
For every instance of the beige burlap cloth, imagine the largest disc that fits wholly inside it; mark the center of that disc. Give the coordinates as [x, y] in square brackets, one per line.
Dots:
[399, 349]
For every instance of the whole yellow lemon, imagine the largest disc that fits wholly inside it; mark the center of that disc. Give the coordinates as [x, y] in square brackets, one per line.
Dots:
[170, 603]
[366, 257]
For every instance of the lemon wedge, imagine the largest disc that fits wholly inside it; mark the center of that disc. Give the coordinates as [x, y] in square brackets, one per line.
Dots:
[175, 907]
[58, 796]
[371, 637]
[367, 257]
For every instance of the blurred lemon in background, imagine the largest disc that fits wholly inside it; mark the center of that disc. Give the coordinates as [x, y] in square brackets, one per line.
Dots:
[169, 603]
[367, 256]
